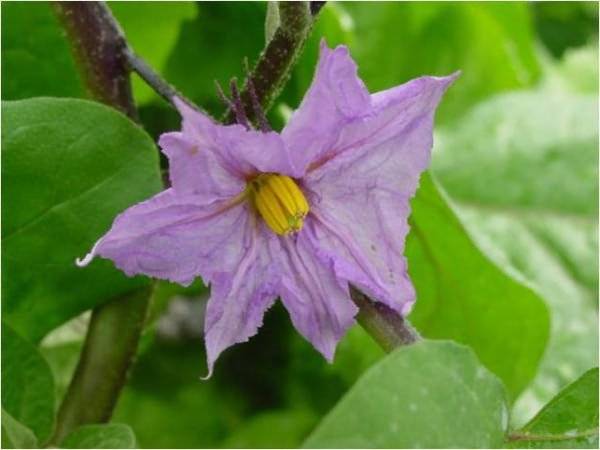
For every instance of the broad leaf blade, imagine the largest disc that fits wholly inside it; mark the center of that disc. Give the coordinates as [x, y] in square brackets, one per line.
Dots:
[465, 297]
[522, 169]
[68, 168]
[429, 395]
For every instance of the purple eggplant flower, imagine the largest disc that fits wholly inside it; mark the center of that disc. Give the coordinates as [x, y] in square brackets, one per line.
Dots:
[298, 215]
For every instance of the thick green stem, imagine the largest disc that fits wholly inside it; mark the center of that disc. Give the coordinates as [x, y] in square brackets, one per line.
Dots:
[115, 327]
[109, 348]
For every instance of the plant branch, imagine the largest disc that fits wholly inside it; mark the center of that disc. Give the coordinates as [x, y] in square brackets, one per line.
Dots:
[153, 79]
[273, 66]
[386, 326]
[115, 328]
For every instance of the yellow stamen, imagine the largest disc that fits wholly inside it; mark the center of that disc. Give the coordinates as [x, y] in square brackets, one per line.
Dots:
[279, 201]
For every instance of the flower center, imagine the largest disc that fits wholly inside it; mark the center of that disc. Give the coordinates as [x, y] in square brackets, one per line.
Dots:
[279, 201]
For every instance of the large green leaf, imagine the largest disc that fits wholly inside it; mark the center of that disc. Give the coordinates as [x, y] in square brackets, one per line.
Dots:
[429, 395]
[523, 171]
[152, 29]
[463, 296]
[27, 386]
[570, 420]
[36, 59]
[15, 434]
[68, 168]
[112, 435]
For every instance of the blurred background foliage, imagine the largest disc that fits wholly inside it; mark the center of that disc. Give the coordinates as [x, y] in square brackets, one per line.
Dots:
[515, 157]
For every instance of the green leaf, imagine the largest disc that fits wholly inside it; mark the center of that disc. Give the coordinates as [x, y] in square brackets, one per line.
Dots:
[427, 395]
[15, 434]
[36, 59]
[112, 435]
[570, 420]
[151, 29]
[27, 386]
[463, 296]
[522, 169]
[68, 168]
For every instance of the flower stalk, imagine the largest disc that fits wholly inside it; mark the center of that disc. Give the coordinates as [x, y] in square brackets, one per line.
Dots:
[388, 328]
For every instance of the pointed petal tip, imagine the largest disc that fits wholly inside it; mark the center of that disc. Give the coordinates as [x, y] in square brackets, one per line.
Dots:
[82, 262]
[79, 262]
[208, 375]
[323, 44]
[453, 76]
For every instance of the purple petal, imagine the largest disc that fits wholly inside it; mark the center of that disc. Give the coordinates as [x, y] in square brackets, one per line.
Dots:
[253, 152]
[175, 237]
[318, 303]
[360, 198]
[239, 299]
[394, 112]
[336, 96]
[194, 168]
[214, 161]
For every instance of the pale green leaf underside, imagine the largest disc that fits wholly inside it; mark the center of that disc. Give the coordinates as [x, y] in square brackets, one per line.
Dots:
[522, 169]
[398, 403]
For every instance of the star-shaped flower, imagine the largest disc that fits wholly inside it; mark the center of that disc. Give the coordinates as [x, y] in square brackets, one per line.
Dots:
[298, 215]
